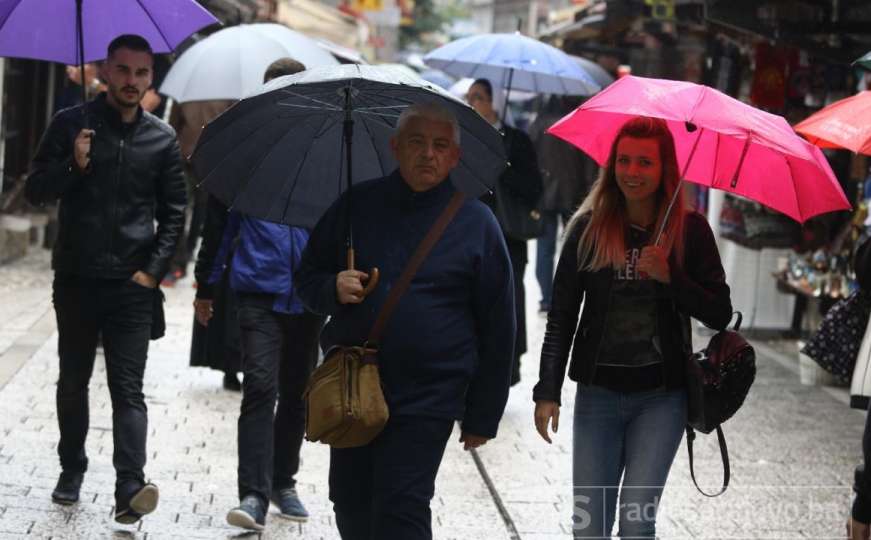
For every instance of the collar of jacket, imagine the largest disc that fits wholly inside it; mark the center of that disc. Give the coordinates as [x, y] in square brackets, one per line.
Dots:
[410, 199]
[101, 108]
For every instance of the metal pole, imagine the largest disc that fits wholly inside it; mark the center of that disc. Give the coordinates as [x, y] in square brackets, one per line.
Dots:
[2, 124]
[679, 187]
[348, 135]
[81, 57]
[507, 95]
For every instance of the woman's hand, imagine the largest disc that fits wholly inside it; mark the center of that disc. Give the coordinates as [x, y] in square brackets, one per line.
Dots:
[546, 412]
[654, 263]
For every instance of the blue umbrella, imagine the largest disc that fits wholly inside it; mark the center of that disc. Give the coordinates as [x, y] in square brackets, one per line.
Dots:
[437, 77]
[514, 61]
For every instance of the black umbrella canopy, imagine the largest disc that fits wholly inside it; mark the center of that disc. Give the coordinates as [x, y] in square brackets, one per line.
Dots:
[279, 154]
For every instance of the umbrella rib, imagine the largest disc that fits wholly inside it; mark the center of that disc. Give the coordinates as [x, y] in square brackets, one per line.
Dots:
[307, 107]
[380, 107]
[156, 26]
[798, 207]
[377, 114]
[303, 96]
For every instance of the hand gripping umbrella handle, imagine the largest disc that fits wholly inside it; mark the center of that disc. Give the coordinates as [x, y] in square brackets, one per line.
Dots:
[372, 282]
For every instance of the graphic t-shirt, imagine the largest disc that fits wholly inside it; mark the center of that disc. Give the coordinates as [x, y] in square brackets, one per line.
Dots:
[630, 355]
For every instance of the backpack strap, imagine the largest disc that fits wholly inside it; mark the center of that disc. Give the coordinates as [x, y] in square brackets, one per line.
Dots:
[724, 454]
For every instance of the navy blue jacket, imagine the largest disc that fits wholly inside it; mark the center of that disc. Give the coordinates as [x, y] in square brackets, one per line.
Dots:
[263, 259]
[448, 348]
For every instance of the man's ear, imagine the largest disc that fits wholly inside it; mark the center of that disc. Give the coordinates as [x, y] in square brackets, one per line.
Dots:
[457, 154]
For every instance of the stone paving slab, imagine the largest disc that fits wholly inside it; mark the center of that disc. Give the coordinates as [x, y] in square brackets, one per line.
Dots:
[192, 443]
[793, 449]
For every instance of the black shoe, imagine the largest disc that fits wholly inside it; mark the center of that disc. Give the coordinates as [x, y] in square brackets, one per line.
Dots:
[289, 504]
[250, 514]
[67, 489]
[231, 382]
[143, 502]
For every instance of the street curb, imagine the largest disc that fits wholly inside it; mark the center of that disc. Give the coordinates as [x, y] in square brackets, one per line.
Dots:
[23, 348]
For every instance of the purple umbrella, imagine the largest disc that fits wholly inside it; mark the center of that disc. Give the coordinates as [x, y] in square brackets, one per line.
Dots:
[79, 31]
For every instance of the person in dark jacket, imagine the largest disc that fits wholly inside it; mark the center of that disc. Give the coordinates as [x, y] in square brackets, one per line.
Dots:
[116, 170]
[858, 527]
[628, 352]
[279, 344]
[523, 179]
[446, 352]
[859, 523]
[566, 174]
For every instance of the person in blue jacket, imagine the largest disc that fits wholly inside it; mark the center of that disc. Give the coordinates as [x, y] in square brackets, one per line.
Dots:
[446, 353]
[279, 342]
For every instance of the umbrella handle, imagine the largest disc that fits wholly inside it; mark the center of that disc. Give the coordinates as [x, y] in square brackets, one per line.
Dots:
[372, 282]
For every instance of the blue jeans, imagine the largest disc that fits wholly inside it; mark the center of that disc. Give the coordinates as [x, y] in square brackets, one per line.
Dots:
[635, 436]
[545, 251]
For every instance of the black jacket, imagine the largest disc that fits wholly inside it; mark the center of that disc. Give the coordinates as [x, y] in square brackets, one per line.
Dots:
[698, 289]
[107, 213]
[522, 178]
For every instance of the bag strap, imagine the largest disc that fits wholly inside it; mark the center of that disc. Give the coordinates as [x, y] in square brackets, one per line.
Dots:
[417, 258]
[724, 454]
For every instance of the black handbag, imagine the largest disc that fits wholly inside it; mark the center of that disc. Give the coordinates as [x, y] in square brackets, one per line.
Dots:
[718, 380]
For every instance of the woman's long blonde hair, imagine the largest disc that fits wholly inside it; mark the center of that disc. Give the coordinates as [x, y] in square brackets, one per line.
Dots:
[603, 242]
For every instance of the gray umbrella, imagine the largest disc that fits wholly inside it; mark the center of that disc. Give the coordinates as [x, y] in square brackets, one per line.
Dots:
[286, 153]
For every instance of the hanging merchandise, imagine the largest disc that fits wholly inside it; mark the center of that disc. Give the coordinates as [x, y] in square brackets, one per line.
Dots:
[753, 226]
[773, 66]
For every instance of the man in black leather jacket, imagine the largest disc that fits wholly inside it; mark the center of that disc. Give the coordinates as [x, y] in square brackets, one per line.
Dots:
[115, 170]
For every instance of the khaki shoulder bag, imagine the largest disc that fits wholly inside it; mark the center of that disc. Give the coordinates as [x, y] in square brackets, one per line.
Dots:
[345, 405]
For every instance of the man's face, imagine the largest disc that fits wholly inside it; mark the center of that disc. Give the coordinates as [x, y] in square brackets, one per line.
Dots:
[128, 75]
[426, 152]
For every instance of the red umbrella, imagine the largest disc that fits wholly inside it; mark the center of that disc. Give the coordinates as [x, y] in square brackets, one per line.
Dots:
[843, 124]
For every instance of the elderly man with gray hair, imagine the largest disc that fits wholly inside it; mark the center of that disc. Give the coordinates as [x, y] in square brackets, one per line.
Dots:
[446, 352]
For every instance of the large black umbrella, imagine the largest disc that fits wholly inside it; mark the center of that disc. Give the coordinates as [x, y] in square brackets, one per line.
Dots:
[286, 153]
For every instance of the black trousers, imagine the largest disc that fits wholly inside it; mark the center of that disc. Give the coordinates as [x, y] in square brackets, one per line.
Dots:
[279, 352]
[383, 490]
[121, 311]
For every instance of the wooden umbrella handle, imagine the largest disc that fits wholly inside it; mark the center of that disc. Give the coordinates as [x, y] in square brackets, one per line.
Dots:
[372, 282]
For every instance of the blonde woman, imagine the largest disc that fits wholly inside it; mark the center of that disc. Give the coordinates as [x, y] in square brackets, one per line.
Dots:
[628, 352]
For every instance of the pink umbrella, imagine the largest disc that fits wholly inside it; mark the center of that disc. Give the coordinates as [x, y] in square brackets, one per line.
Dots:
[721, 142]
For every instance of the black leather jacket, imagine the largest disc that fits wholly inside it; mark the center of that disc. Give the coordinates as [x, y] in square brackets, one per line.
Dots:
[698, 289]
[107, 214]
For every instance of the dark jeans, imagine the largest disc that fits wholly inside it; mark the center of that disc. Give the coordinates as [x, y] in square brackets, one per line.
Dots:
[279, 352]
[383, 490]
[545, 251]
[121, 311]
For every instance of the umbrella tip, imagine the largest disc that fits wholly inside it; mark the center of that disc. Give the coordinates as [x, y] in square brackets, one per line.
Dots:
[690, 127]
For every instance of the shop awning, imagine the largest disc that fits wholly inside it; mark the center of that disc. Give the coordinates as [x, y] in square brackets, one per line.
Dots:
[320, 21]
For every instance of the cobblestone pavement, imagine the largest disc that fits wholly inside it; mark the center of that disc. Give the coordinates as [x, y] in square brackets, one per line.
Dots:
[792, 448]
